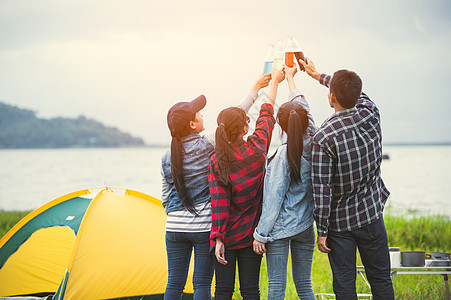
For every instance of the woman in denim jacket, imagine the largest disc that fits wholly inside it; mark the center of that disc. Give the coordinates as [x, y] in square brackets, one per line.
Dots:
[186, 195]
[287, 216]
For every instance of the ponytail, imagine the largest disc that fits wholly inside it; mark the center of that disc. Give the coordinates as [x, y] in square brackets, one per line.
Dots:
[293, 120]
[295, 146]
[177, 173]
[231, 122]
[223, 153]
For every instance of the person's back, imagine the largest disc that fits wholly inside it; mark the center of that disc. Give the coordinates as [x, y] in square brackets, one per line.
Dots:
[286, 224]
[197, 151]
[354, 140]
[236, 180]
[348, 190]
[186, 200]
[245, 184]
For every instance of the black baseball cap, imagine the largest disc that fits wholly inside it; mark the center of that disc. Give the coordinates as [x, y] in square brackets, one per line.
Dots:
[181, 113]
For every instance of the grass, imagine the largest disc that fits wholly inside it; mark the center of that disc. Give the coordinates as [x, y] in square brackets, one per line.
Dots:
[426, 233]
[9, 218]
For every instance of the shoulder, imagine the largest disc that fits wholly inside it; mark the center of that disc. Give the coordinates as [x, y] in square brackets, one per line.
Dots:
[336, 125]
[204, 139]
[324, 133]
[207, 145]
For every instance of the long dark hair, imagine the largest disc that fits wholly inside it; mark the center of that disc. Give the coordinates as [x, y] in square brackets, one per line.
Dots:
[231, 122]
[177, 165]
[293, 120]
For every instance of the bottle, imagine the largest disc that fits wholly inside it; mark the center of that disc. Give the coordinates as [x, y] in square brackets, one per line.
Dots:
[289, 53]
[269, 60]
[278, 56]
[298, 53]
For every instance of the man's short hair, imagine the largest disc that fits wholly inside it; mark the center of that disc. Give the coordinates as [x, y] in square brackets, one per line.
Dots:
[346, 86]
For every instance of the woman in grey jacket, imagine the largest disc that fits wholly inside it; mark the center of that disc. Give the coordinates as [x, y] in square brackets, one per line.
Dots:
[186, 195]
[287, 216]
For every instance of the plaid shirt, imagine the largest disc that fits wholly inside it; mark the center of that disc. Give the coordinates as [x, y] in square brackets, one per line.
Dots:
[347, 152]
[236, 207]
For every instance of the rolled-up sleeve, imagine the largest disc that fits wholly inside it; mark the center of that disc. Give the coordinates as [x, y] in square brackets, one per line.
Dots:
[324, 79]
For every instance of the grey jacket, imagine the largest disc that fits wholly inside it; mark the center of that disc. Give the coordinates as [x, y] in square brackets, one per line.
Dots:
[197, 153]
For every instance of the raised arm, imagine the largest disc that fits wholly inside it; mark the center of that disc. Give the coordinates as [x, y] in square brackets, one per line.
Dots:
[252, 94]
[277, 77]
[324, 79]
[295, 95]
[309, 67]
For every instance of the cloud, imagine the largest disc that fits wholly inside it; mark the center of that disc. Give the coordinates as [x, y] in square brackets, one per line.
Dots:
[126, 63]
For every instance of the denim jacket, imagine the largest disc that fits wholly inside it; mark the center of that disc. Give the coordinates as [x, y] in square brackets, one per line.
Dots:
[197, 153]
[287, 206]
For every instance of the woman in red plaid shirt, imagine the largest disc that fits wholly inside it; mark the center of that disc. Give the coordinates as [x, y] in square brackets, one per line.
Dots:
[236, 180]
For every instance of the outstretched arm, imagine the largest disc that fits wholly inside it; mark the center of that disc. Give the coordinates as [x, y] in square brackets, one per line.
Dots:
[309, 67]
[277, 77]
[251, 96]
[295, 95]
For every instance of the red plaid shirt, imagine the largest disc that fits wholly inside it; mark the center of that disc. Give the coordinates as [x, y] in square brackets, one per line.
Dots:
[236, 207]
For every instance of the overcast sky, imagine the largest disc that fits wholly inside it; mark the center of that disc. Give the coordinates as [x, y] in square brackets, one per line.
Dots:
[125, 63]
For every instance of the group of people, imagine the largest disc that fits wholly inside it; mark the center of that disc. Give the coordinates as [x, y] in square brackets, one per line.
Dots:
[231, 203]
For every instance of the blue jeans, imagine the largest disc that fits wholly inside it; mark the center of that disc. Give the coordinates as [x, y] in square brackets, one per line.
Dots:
[372, 243]
[179, 246]
[248, 272]
[302, 247]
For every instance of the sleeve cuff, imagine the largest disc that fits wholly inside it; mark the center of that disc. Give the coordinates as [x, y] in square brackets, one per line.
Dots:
[216, 234]
[262, 239]
[253, 94]
[324, 79]
[322, 232]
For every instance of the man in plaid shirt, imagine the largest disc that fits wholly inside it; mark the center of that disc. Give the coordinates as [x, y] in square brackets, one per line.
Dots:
[348, 189]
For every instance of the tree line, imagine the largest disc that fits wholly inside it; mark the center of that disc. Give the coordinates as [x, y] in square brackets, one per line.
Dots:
[21, 128]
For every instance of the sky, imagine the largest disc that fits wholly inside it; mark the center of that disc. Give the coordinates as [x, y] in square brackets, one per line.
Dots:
[125, 63]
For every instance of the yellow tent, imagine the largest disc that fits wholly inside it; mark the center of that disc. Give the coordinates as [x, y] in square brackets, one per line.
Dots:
[108, 246]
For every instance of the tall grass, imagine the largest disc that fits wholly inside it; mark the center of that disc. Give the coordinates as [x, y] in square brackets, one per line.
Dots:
[426, 233]
[9, 218]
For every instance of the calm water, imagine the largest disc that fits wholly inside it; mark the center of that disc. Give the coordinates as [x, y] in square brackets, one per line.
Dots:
[417, 176]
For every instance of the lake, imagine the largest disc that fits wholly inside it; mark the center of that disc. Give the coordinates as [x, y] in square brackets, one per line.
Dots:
[417, 176]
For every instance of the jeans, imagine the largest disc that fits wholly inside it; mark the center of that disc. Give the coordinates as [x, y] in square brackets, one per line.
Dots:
[249, 274]
[179, 246]
[302, 247]
[372, 243]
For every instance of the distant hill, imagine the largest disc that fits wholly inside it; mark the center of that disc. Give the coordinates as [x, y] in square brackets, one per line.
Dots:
[20, 128]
